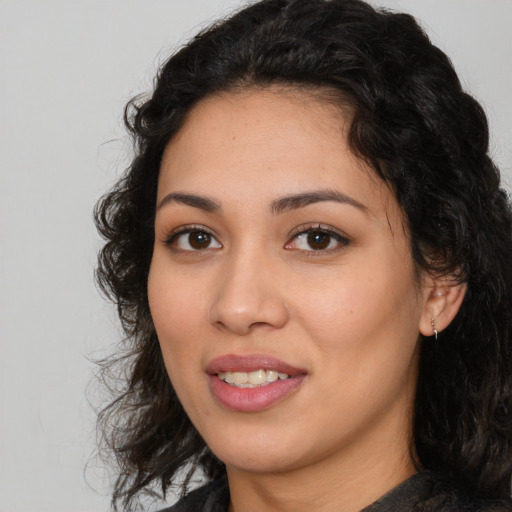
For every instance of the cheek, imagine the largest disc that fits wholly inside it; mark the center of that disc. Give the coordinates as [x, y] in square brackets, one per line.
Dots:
[365, 314]
[175, 311]
[341, 305]
[366, 335]
[174, 298]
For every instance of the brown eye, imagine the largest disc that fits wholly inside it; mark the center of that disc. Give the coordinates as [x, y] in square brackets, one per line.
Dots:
[194, 240]
[318, 240]
[199, 239]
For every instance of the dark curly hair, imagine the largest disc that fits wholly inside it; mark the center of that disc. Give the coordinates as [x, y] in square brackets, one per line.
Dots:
[423, 135]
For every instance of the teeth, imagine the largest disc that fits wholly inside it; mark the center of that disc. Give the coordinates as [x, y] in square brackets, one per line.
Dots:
[252, 379]
[239, 378]
[258, 377]
[272, 375]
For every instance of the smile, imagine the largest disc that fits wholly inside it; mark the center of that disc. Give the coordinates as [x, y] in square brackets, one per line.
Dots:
[252, 383]
[252, 379]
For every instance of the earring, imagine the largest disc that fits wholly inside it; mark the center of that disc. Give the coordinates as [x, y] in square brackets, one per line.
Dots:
[434, 330]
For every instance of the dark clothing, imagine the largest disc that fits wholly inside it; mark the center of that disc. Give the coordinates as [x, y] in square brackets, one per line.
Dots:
[212, 497]
[425, 493]
[420, 493]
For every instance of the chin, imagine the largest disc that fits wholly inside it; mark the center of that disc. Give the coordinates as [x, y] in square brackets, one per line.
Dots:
[259, 462]
[260, 451]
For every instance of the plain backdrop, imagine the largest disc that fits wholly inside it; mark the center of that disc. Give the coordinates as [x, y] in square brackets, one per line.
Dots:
[67, 69]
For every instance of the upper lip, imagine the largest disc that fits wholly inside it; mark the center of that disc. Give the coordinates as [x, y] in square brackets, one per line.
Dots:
[250, 363]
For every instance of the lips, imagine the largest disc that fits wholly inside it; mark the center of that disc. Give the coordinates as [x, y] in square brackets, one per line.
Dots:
[252, 383]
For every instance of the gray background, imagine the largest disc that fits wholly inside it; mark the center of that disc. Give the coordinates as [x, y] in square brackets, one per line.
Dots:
[67, 69]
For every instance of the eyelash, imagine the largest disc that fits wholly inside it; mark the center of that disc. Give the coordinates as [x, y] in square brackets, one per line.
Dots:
[304, 230]
[174, 236]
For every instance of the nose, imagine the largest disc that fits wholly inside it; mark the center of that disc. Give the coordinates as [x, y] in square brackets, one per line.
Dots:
[249, 296]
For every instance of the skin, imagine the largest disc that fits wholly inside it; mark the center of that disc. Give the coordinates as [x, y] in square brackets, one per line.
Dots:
[349, 315]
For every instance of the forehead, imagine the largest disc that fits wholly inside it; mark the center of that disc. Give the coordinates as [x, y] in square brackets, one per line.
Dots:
[264, 116]
[255, 145]
[268, 127]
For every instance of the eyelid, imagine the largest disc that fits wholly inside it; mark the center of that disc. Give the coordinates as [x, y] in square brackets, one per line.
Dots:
[171, 237]
[342, 239]
[338, 235]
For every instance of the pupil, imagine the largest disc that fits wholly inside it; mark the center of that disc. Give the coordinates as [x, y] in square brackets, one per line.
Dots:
[199, 239]
[318, 240]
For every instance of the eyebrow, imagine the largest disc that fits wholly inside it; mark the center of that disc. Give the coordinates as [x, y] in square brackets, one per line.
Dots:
[201, 202]
[295, 201]
[281, 205]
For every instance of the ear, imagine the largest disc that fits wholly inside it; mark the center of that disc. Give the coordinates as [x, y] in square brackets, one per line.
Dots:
[442, 300]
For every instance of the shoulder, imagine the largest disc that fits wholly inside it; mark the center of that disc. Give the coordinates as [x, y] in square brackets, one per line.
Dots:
[454, 502]
[424, 492]
[449, 498]
[427, 492]
[212, 497]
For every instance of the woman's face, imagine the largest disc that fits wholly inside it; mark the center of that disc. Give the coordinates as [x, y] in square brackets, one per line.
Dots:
[282, 287]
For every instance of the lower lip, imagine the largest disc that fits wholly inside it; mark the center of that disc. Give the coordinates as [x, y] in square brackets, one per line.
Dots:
[253, 399]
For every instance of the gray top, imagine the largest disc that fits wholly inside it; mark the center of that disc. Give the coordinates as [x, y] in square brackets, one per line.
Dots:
[421, 493]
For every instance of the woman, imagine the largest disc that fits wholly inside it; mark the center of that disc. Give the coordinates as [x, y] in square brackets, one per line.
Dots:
[311, 257]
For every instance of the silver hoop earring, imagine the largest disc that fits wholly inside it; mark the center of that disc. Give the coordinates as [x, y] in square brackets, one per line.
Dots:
[434, 330]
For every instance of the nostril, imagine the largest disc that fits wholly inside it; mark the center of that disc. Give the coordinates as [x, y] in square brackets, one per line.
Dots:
[266, 313]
